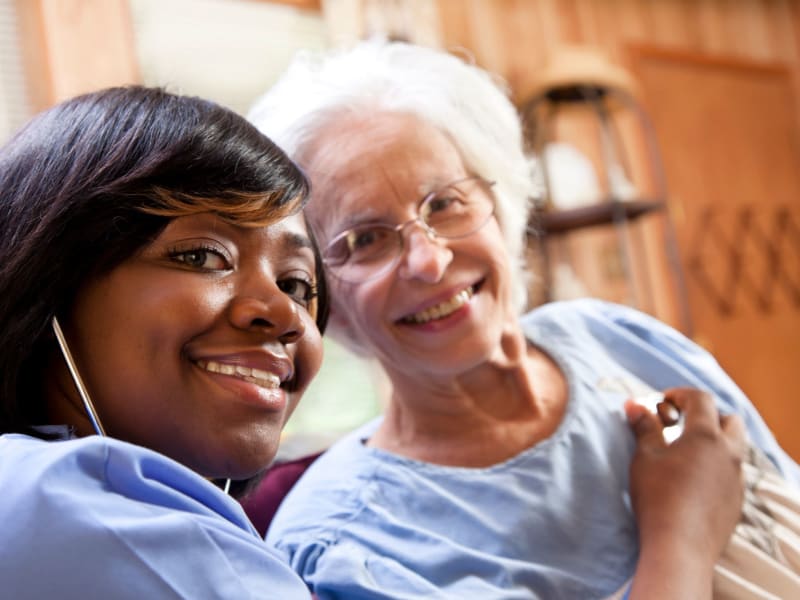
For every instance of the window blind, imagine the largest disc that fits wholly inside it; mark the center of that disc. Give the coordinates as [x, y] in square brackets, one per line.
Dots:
[14, 104]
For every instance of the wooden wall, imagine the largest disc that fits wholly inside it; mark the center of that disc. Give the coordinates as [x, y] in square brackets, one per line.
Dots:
[75, 46]
[515, 37]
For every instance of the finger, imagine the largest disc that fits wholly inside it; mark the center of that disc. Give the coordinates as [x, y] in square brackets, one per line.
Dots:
[634, 411]
[697, 407]
[735, 433]
[646, 426]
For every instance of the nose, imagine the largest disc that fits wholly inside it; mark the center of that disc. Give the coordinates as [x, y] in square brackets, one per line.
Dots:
[425, 256]
[269, 312]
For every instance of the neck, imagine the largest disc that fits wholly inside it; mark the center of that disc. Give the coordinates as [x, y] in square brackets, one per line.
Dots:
[478, 418]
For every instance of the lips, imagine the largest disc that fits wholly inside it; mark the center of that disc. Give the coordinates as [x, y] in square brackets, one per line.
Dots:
[441, 310]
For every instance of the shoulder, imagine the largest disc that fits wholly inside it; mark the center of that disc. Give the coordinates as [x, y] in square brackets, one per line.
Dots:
[130, 473]
[605, 322]
[639, 341]
[654, 352]
[75, 508]
[586, 310]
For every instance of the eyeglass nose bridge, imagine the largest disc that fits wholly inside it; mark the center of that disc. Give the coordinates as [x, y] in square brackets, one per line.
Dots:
[403, 246]
[430, 232]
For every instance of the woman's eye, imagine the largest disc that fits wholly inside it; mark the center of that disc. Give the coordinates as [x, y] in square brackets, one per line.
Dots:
[362, 238]
[444, 206]
[299, 290]
[201, 258]
[440, 203]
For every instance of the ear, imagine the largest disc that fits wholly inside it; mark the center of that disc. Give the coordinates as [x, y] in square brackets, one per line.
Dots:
[342, 331]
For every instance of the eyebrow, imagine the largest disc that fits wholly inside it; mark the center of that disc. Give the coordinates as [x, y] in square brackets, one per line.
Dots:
[359, 221]
[291, 244]
[296, 240]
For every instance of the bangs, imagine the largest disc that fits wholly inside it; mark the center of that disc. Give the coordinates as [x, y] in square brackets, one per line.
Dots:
[242, 208]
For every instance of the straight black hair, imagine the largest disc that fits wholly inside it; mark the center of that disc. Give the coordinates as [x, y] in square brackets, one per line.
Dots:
[88, 182]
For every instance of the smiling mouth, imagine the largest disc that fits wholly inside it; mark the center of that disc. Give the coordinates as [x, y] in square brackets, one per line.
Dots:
[263, 379]
[441, 310]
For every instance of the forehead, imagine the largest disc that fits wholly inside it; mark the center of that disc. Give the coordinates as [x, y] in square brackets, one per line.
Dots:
[382, 141]
[364, 167]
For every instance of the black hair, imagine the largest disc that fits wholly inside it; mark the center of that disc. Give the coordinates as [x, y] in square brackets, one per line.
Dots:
[87, 183]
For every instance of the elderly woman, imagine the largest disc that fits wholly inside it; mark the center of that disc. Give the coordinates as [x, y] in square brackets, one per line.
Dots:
[160, 293]
[500, 468]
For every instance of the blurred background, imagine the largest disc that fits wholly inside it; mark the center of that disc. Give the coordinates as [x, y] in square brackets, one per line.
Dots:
[666, 131]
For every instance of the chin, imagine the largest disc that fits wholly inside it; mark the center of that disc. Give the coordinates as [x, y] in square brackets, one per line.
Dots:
[254, 463]
[243, 460]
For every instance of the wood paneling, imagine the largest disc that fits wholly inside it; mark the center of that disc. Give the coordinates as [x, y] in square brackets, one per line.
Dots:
[310, 5]
[515, 37]
[75, 46]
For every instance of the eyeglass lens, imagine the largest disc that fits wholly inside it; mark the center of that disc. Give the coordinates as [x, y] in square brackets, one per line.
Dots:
[457, 210]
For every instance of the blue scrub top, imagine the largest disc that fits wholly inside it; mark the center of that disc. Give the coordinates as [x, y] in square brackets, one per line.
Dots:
[99, 518]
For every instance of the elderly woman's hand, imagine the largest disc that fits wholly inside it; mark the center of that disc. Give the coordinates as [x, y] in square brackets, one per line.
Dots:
[687, 495]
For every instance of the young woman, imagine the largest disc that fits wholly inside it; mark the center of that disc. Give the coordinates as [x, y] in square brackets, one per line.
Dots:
[160, 316]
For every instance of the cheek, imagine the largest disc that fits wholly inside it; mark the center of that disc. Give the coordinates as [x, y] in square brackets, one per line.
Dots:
[120, 320]
[490, 243]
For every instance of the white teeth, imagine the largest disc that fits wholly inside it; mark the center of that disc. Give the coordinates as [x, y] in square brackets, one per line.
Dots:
[259, 377]
[259, 374]
[442, 310]
[227, 369]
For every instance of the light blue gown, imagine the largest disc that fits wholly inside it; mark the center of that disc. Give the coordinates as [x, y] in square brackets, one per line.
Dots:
[552, 522]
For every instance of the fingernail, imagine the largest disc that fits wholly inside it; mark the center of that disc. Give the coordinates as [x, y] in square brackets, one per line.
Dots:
[668, 413]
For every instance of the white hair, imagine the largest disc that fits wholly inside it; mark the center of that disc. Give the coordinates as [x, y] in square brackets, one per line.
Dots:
[467, 103]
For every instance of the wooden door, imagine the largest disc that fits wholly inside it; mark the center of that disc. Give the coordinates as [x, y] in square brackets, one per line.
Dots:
[729, 136]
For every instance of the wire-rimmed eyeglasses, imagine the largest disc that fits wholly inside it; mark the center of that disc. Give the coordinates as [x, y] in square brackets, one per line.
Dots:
[454, 211]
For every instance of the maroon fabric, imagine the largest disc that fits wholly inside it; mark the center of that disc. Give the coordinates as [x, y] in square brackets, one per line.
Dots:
[262, 503]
